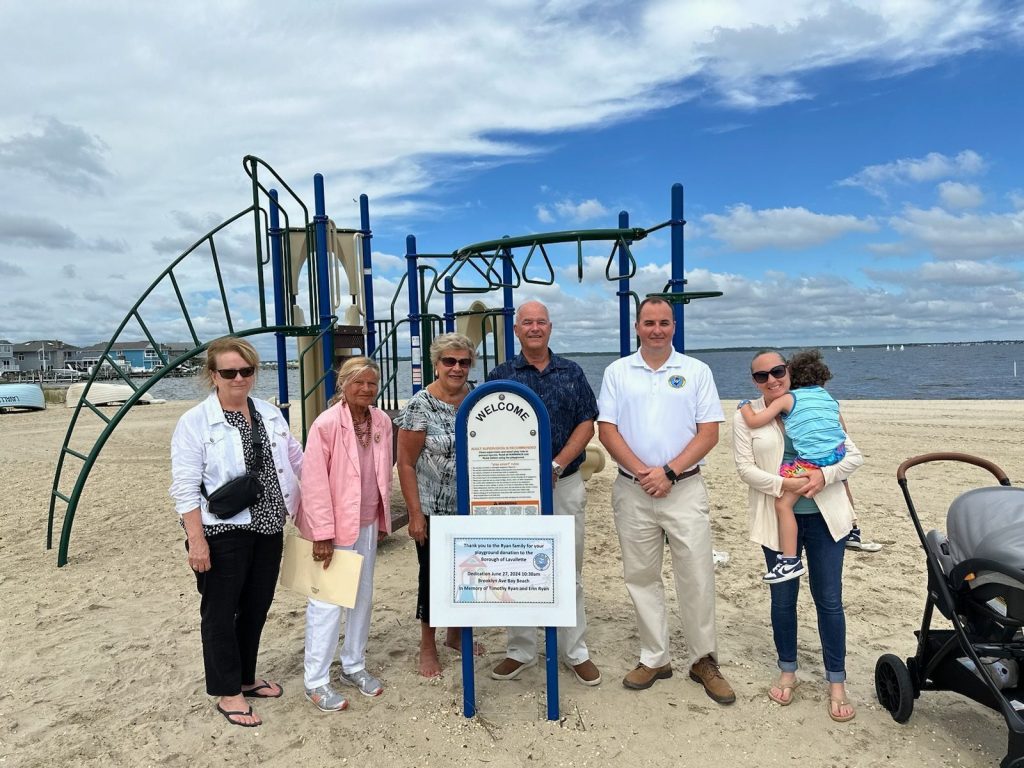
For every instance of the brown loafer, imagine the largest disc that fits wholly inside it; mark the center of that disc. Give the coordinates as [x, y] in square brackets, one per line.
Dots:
[587, 673]
[705, 671]
[643, 677]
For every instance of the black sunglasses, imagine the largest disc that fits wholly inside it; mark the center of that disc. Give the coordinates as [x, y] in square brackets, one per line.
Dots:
[462, 362]
[230, 373]
[777, 373]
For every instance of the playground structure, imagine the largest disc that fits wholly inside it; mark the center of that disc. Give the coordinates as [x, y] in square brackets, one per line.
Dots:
[298, 262]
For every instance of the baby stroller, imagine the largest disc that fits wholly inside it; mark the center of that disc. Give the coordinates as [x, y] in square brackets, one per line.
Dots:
[976, 580]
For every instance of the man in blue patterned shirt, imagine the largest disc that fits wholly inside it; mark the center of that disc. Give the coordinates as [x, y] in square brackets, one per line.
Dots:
[572, 407]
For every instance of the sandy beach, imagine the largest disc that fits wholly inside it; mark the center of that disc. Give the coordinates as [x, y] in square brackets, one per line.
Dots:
[100, 661]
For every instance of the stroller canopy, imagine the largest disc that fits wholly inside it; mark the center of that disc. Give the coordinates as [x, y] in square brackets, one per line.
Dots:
[988, 523]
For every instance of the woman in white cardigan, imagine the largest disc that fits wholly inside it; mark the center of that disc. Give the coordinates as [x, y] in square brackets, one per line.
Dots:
[824, 519]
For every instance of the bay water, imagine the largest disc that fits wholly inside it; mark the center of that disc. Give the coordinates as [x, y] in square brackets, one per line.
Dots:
[967, 371]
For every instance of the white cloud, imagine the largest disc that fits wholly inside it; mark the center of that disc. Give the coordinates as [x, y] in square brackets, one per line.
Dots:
[585, 210]
[65, 155]
[11, 270]
[178, 104]
[963, 236]
[824, 309]
[951, 274]
[386, 262]
[933, 166]
[756, 53]
[745, 229]
[544, 215]
[953, 194]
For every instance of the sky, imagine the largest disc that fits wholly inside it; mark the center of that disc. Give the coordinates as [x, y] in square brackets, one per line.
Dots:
[852, 170]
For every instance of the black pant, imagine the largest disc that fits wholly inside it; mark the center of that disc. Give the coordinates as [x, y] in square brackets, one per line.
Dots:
[237, 592]
[423, 593]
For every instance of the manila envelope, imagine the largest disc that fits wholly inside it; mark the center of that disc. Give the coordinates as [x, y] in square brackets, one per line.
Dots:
[337, 585]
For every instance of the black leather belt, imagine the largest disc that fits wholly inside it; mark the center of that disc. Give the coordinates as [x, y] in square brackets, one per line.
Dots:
[688, 473]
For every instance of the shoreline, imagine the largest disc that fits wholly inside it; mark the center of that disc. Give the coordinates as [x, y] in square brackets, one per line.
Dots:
[102, 665]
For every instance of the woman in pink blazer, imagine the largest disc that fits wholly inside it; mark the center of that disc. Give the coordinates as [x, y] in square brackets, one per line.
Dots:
[346, 497]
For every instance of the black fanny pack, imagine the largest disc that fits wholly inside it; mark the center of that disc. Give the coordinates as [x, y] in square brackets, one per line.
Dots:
[241, 492]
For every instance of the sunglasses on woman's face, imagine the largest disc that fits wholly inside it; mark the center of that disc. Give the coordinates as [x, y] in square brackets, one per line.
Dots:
[230, 373]
[762, 376]
[462, 362]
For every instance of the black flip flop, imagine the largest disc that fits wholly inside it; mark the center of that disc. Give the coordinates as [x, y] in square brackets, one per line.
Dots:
[254, 693]
[228, 714]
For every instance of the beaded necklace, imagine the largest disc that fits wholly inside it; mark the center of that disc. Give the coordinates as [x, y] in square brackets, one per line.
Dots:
[363, 430]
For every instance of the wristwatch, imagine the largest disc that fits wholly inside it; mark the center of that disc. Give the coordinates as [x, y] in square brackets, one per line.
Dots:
[670, 473]
[557, 468]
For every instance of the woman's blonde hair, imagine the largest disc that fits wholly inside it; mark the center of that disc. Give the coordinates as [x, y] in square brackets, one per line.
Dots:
[351, 368]
[227, 344]
[447, 341]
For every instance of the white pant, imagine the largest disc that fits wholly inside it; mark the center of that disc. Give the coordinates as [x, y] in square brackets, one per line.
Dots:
[643, 522]
[323, 621]
[570, 498]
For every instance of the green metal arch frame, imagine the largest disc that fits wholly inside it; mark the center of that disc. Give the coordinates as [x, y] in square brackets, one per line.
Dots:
[261, 230]
[111, 424]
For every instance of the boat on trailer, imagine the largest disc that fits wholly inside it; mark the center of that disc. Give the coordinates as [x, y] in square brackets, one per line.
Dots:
[27, 397]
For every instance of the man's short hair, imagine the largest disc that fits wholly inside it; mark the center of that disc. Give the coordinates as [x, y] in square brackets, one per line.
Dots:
[650, 300]
[519, 309]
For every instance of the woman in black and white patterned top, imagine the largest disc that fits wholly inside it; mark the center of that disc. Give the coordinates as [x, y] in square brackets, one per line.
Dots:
[236, 560]
[426, 470]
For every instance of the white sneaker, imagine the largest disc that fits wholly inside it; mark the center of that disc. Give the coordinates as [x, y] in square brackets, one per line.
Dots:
[367, 684]
[855, 541]
[786, 568]
[326, 699]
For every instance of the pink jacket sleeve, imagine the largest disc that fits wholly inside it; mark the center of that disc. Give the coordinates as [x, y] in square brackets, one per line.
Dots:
[316, 519]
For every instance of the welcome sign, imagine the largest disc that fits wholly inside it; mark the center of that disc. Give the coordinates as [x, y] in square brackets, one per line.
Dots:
[505, 560]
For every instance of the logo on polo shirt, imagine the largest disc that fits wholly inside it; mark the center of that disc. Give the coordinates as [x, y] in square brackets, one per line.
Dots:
[677, 382]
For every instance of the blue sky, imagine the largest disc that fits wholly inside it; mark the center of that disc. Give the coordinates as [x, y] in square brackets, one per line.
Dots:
[852, 170]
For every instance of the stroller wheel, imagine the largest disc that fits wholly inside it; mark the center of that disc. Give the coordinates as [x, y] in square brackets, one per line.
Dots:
[893, 687]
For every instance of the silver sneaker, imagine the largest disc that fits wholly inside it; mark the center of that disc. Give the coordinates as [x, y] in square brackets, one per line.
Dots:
[367, 684]
[327, 699]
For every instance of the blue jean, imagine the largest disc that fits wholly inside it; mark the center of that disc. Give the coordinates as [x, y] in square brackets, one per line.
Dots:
[824, 561]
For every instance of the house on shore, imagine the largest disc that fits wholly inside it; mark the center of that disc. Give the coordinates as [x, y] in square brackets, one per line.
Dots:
[130, 356]
[44, 355]
[7, 362]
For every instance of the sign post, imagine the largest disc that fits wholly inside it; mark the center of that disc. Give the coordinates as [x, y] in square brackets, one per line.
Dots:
[506, 559]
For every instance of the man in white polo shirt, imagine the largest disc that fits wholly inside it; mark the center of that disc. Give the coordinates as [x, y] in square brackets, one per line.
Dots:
[658, 418]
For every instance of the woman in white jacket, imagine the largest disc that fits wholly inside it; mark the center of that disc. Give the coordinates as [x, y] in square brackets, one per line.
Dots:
[824, 519]
[236, 560]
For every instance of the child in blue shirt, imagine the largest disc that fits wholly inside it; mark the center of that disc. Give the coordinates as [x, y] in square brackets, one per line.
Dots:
[811, 419]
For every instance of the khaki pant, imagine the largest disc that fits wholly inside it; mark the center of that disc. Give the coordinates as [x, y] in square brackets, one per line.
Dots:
[569, 498]
[643, 522]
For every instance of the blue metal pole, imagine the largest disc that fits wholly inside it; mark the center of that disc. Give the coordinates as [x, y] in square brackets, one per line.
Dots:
[323, 284]
[507, 308]
[468, 674]
[677, 263]
[415, 339]
[548, 508]
[364, 226]
[449, 306]
[277, 265]
[626, 334]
